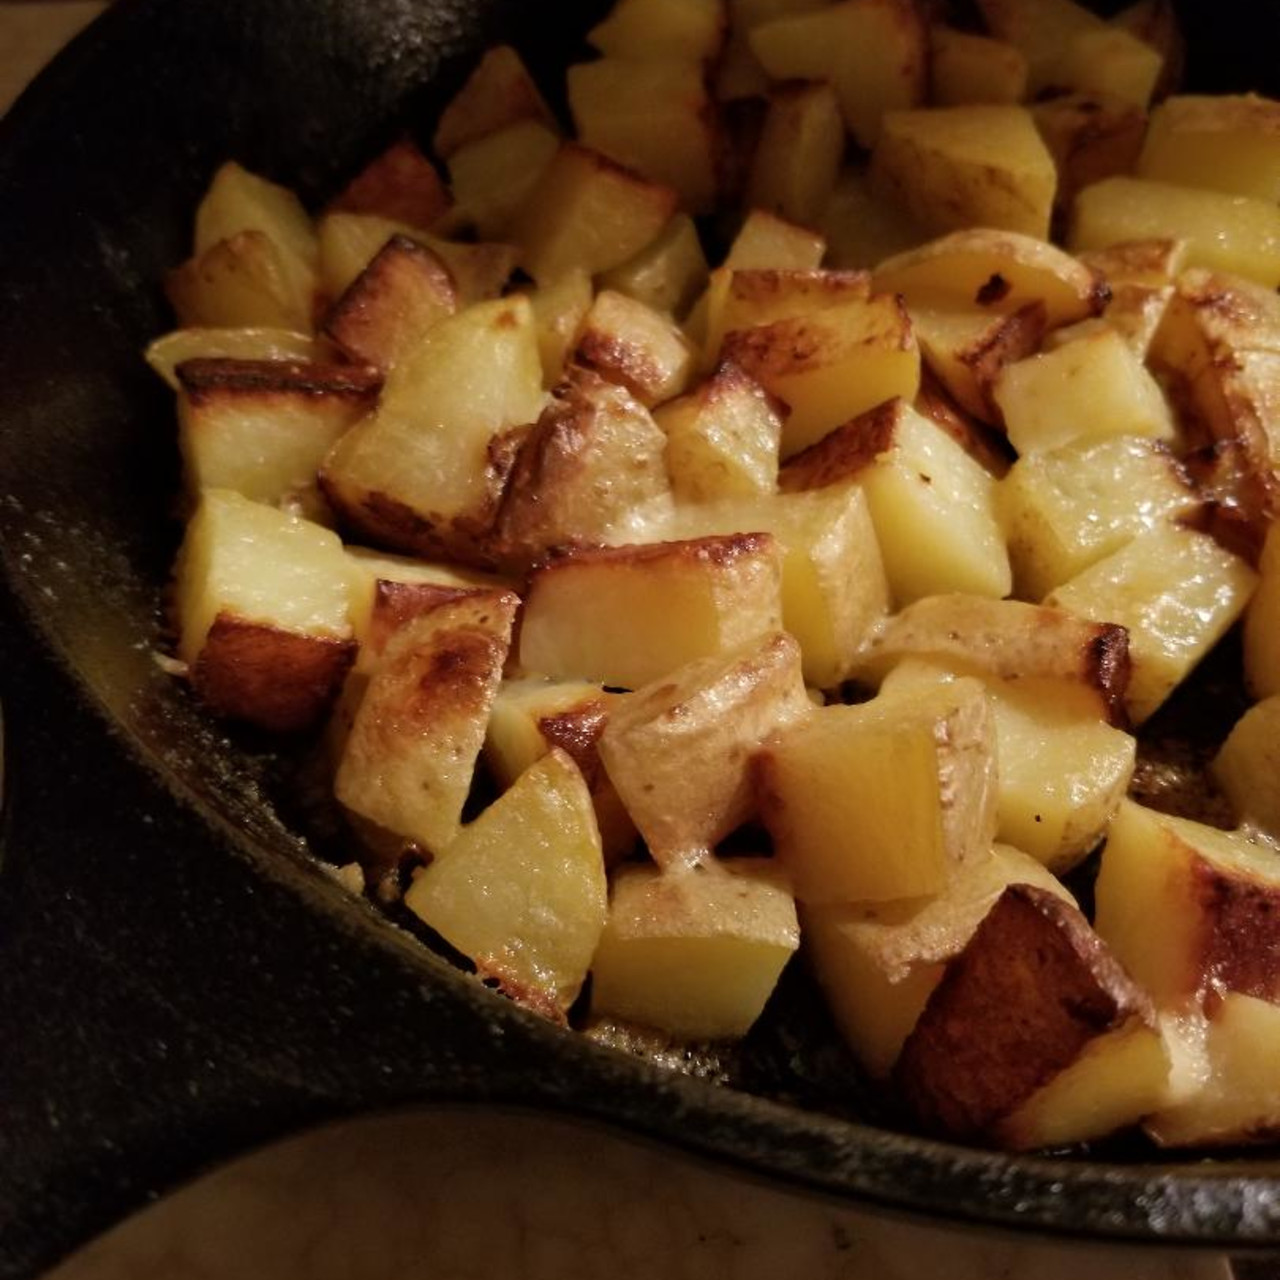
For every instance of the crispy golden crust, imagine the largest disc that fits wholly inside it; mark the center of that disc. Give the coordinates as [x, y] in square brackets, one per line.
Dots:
[213, 378]
[1032, 988]
[576, 732]
[986, 447]
[395, 603]
[1241, 919]
[714, 550]
[840, 455]
[1013, 338]
[278, 680]
[401, 184]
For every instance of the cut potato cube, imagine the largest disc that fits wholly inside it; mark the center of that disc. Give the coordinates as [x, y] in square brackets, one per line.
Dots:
[533, 715]
[521, 891]
[692, 29]
[1111, 62]
[260, 600]
[1262, 623]
[832, 365]
[768, 241]
[1155, 22]
[1089, 387]
[694, 953]
[498, 93]
[655, 116]
[874, 53]
[627, 616]
[965, 69]
[666, 274]
[1041, 29]
[874, 802]
[877, 963]
[1006, 640]
[417, 734]
[634, 346]
[1091, 137]
[166, 353]
[1239, 1099]
[404, 291]
[1035, 1036]
[954, 167]
[263, 428]
[493, 176]
[1223, 232]
[1225, 142]
[558, 312]
[1214, 894]
[1001, 272]
[679, 750]
[798, 156]
[1177, 591]
[722, 440]
[862, 228]
[243, 281]
[589, 212]
[986, 446]
[1065, 510]
[594, 456]
[1247, 767]
[400, 184]
[424, 473]
[933, 506]
[834, 589]
[740, 74]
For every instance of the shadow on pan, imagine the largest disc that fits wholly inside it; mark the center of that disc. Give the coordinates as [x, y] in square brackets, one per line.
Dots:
[178, 980]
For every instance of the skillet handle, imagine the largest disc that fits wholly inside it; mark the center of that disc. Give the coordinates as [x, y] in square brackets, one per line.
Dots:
[168, 1004]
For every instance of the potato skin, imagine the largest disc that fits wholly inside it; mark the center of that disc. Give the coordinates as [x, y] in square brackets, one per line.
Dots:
[276, 679]
[1034, 986]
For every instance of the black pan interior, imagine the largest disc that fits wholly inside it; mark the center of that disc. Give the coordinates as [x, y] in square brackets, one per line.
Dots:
[178, 980]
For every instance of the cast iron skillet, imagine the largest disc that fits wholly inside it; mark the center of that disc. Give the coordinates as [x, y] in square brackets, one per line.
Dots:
[178, 979]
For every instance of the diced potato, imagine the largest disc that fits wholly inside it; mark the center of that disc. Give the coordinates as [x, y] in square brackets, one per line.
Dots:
[166, 353]
[832, 365]
[722, 439]
[1042, 29]
[986, 446]
[1065, 510]
[834, 589]
[401, 184]
[1112, 62]
[862, 228]
[424, 473]
[493, 176]
[668, 273]
[260, 601]
[694, 953]
[1177, 591]
[499, 92]
[1247, 766]
[874, 53]
[627, 616]
[588, 212]
[633, 345]
[1225, 142]
[1223, 232]
[1086, 663]
[740, 74]
[1091, 137]
[954, 167]
[1262, 623]
[656, 116]
[263, 428]
[594, 456]
[1214, 894]
[766, 240]
[877, 963]
[1035, 1036]
[521, 891]
[531, 716]
[1239, 1101]
[679, 750]
[396, 604]
[404, 291]
[874, 802]
[1090, 387]
[417, 733]
[933, 506]
[242, 281]
[965, 69]
[238, 201]
[968, 350]
[558, 312]
[692, 29]
[1155, 22]
[996, 271]
[798, 156]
